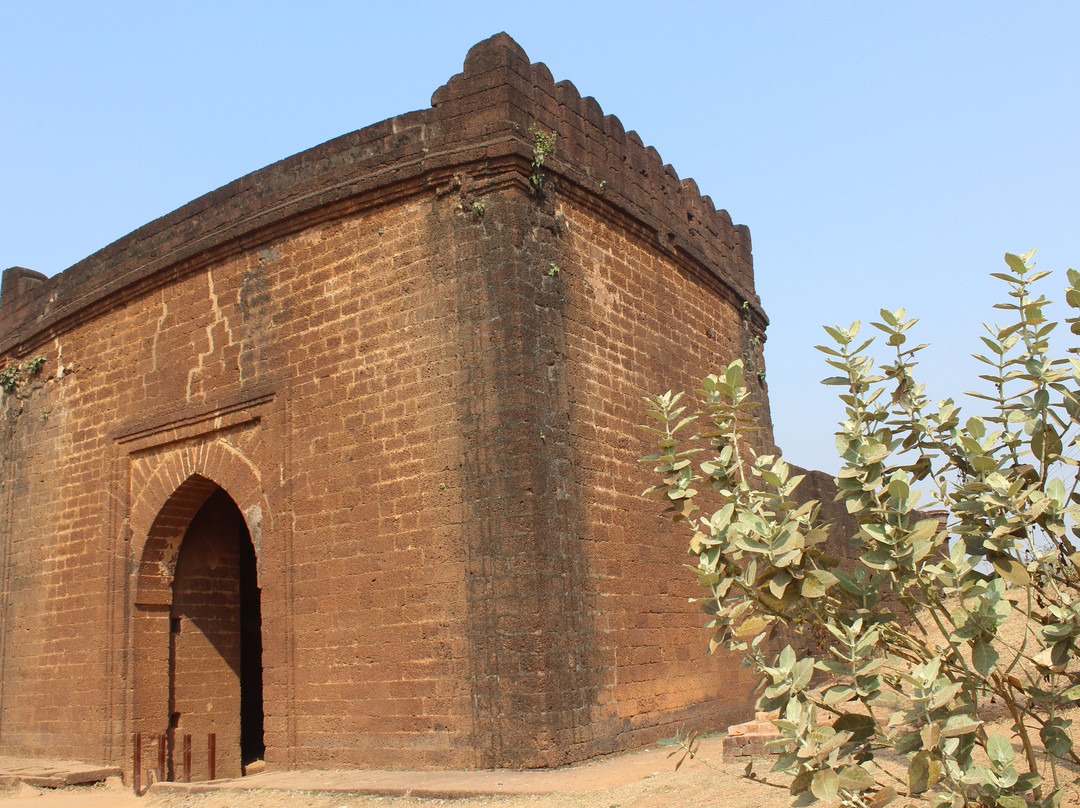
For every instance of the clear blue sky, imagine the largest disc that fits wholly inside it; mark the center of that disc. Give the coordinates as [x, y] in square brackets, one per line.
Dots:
[882, 154]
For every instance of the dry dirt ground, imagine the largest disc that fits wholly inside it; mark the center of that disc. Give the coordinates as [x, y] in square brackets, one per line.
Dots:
[695, 785]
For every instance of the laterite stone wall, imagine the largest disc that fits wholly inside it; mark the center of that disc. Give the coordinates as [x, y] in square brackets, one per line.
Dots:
[416, 371]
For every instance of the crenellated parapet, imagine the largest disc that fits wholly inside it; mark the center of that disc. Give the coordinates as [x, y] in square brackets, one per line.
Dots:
[595, 152]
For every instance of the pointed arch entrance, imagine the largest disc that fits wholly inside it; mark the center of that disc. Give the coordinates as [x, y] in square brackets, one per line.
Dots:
[198, 632]
[215, 642]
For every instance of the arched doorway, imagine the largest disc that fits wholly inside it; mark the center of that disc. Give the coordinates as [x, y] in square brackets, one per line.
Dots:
[215, 643]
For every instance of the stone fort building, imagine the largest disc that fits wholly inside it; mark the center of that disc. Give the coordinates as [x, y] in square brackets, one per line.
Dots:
[339, 461]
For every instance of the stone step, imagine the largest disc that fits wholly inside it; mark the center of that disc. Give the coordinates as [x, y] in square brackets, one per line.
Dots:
[50, 773]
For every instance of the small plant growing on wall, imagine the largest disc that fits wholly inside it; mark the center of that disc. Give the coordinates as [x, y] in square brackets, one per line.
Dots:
[543, 147]
[9, 378]
[12, 375]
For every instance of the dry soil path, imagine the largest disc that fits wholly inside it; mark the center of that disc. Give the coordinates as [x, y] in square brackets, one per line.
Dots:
[644, 779]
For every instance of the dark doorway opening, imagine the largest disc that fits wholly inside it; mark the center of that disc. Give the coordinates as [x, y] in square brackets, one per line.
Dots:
[215, 649]
[252, 747]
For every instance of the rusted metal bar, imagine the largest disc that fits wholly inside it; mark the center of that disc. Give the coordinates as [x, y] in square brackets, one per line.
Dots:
[161, 758]
[136, 753]
[187, 758]
[211, 755]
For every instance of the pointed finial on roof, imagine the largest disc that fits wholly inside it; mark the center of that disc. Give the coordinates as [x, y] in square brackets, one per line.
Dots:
[494, 53]
[500, 49]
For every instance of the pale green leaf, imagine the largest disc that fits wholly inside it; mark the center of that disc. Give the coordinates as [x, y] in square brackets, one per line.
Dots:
[1011, 570]
[919, 773]
[855, 778]
[884, 797]
[1055, 737]
[825, 784]
[1012, 801]
[983, 656]
[998, 749]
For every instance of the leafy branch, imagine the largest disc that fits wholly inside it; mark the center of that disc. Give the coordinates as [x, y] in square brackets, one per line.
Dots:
[964, 523]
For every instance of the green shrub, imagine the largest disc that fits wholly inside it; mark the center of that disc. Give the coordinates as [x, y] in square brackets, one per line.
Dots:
[966, 524]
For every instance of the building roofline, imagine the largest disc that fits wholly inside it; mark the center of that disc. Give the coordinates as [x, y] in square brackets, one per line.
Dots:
[481, 116]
